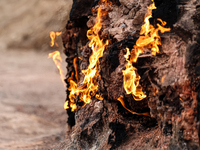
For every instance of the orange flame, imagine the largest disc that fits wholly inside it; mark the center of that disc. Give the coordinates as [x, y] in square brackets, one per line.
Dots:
[73, 89]
[163, 79]
[89, 86]
[99, 97]
[58, 60]
[123, 104]
[182, 101]
[149, 39]
[155, 91]
[53, 35]
[56, 54]
[66, 105]
[76, 68]
[131, 80]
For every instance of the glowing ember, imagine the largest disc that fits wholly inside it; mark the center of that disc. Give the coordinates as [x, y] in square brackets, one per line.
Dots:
[163, 78]
[89, 86]
[123, 104]
[182, 101]
[155, 91]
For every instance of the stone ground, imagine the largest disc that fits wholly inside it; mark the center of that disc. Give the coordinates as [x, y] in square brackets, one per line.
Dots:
[31, 101]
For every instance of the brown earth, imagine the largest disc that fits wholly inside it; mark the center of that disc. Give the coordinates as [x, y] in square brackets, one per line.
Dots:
[31, 92]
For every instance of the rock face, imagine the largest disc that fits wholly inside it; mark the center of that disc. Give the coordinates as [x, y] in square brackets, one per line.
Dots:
[171, 80]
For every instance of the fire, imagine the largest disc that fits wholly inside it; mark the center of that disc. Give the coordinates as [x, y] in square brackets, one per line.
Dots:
[73, 88]
[182, 102]
[163, 79]
[149, 39]
[99, 97]
[131, 80]
[155, 91]
[58, 60]
[56, 54]
[123, 104]
[149, 35]
[76, 68]
[89, 86]
[53, 36]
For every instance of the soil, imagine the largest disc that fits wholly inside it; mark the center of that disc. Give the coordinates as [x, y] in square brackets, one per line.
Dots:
[31, 101]
[31, 92]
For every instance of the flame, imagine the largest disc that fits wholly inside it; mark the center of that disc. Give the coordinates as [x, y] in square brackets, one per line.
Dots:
[99, 97]
[149, 35]
[149, 39]
[123, 104]
[66, 105]
[76, 68]
[73, 89]
[58, 60]
[53, 35]
[163, 78]
[182, 101]
[131, 80]
[89, 86]
[56, 55]
[155, 91]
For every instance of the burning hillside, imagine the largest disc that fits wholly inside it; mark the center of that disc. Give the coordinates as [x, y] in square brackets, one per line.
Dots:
[133, 74]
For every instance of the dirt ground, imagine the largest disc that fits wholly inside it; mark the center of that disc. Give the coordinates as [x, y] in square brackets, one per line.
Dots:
[31, 92]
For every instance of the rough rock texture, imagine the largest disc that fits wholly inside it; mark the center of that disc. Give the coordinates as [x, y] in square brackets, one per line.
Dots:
[171, 80]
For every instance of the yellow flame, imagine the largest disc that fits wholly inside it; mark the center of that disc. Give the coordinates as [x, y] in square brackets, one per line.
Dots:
[66, 105]
[89, 86]
[58, 60]
[53, 36]
[99, 97]
[56, 54]
[131, 80]
[73, 88]
[149, 39]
